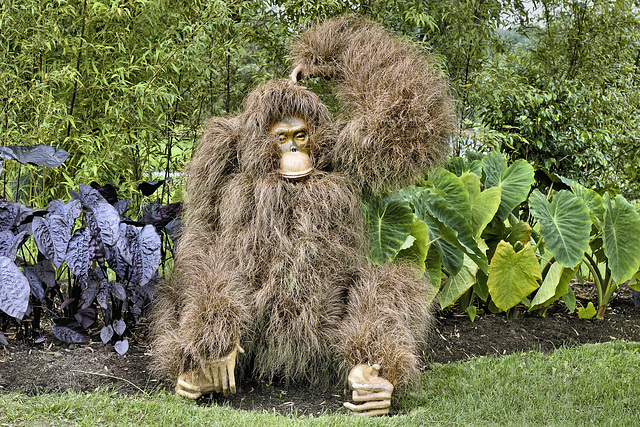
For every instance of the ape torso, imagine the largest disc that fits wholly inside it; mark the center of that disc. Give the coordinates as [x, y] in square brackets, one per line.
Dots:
[293, 240]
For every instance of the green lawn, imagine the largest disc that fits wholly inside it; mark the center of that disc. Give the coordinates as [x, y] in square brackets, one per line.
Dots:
[595, 384]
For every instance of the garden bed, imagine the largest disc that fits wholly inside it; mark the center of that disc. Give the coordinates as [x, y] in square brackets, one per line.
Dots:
[52, 366]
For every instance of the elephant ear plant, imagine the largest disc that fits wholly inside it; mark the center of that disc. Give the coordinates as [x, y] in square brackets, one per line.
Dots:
[614, 241]
[92, 264]
[488, 239]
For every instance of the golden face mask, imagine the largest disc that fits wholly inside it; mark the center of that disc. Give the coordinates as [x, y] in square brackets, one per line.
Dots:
[292, 137]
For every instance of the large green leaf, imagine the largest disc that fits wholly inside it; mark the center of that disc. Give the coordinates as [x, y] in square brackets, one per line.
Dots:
[512, 275]
[460, 165]
[480, 287]
[450, 223]
[484, 204]
[593, 200]
[389, 225]
[458, 284]
[416, 245]
[621, 238]
[451, 255]
[454, 190]
[519, 232]
[570, 300]
[433, 264]
[565, 279]
[515, 181]
[548, 289]
[565, 225]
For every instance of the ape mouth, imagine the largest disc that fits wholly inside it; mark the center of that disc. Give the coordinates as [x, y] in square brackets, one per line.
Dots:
[296, 176]
[295, 165]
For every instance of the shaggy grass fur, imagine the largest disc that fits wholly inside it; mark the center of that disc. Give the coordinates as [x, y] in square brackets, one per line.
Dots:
[397, 114]
[281, 266]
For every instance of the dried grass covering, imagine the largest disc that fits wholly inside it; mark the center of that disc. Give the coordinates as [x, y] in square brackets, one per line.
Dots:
[280, 265]
[397, 114]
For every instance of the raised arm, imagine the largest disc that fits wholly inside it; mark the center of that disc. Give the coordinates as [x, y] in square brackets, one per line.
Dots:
[396, 113]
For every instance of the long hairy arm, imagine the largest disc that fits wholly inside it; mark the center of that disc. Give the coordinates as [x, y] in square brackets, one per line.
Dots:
[387, 321]
[213, 165]
[202, 311]
[396, 112]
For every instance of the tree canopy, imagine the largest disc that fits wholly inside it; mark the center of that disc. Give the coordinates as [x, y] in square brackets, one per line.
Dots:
[125, 85]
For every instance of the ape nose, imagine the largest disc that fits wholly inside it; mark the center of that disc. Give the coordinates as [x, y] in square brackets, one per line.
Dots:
[293, 149]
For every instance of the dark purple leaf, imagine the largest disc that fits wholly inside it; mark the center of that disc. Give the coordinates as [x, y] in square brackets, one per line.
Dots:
[166, 214]
[107, 191]
[38, 155]
[116, 262]
[14, 289]
[42, 236]
[136, 311]
[122, 347]
[103, 294]
[60, 223]
[8, 215]
[148, 257]
[26, 215]
[9, 244]
[69, 335]
[147, 291]
[34, 283]
[147, 188]
[103, 215]
[122, 206]
[86, 322]
[77, 256]
[3, 340]
[72, 211]
[96, 248]
[89, 196]
[86, 317]
[108, 220]
[45, 272]
[66, 303]
[60, 233]
[126, 246]
[108, 314]
[173, 229]
[90, 289]
[106, 333]
[150, 212]
[118, 291]
[7, 153]
[119, 326]
[55, 205]
[139, 297]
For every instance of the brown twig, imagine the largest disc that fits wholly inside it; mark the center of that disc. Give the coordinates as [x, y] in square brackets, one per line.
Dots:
[110, 376]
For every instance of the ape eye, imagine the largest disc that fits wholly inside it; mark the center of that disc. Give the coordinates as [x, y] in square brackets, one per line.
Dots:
[301, 135]
[282, 138]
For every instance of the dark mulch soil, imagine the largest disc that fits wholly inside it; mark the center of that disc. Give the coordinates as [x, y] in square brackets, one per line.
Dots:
[52, 366]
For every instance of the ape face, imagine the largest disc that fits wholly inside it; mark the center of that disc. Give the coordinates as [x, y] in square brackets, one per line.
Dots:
[292, 138]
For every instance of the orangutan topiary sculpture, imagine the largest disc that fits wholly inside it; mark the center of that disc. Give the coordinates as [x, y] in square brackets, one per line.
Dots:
[272, 262]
